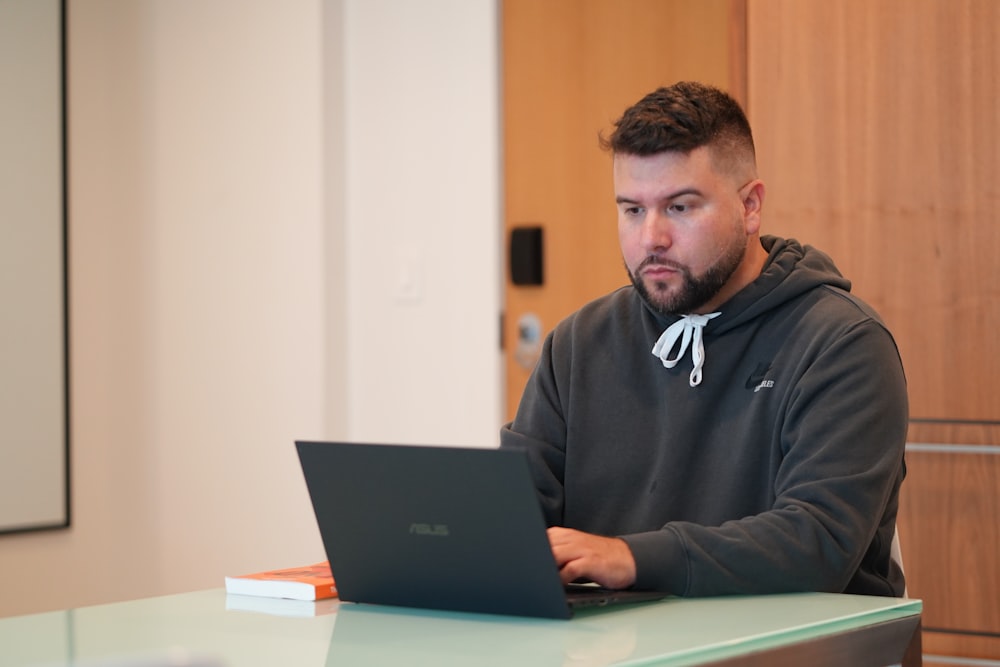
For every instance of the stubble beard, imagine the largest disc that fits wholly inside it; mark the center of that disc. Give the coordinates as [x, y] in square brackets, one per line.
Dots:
[694, 291]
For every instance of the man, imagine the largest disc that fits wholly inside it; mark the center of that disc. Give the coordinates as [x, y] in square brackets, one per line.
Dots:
[733, 421]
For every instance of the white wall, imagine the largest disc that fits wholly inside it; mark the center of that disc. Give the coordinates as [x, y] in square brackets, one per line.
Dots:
[423, 175]
[284, 223]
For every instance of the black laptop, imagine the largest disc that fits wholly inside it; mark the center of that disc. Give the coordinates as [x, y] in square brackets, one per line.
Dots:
[439, 528]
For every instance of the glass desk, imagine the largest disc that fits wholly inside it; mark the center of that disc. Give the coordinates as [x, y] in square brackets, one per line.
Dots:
[211, 629]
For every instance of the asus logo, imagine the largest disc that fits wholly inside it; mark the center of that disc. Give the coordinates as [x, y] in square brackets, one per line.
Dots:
[432, 530]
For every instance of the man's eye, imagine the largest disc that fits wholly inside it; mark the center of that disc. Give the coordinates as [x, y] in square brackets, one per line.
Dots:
[632, 210]
[679, 208]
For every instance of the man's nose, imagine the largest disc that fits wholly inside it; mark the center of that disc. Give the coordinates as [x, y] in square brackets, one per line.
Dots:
[657, 233]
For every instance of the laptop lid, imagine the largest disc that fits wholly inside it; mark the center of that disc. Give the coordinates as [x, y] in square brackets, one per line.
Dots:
[434, 527]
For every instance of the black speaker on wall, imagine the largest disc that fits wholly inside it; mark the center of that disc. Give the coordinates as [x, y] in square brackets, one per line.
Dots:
[526, 255]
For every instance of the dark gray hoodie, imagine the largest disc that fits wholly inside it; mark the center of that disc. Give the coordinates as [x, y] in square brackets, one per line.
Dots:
[780, 471]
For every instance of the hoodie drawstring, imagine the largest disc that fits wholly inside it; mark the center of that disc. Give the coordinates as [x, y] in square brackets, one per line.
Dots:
[689, 330]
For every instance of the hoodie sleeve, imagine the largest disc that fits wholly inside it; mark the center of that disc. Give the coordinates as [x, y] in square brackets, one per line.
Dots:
[540, 406]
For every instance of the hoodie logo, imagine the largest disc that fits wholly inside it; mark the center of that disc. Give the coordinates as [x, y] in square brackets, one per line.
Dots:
[758, 379]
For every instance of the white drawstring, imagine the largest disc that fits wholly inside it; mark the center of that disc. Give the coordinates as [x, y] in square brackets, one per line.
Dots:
[687, 328]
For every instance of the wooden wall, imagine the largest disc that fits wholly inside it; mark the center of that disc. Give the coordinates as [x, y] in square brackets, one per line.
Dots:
[878, 136]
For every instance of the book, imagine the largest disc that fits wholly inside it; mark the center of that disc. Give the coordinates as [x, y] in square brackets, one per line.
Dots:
[309, 582]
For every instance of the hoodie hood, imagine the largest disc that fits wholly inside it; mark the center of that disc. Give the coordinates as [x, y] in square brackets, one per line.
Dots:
[791, 270]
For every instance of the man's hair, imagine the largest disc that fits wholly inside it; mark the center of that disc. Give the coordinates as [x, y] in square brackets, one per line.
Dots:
[683, 117]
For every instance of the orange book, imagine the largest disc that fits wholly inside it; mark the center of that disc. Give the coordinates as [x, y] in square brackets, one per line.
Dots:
[311, 582]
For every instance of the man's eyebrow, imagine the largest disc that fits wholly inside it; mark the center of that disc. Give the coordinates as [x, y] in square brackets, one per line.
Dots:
[673, 195]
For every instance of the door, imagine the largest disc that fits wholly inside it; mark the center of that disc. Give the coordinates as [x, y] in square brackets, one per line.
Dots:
[570, 67]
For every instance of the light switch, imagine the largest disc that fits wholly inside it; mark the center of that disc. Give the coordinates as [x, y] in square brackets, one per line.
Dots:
[409, 275]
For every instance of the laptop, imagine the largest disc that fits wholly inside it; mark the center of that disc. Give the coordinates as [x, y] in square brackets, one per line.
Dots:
[448, 528]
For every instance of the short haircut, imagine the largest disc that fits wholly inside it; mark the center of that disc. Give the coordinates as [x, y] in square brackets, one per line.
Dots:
[683, 117]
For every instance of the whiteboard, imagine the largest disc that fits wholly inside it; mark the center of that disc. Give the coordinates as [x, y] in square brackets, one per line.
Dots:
[34, 441]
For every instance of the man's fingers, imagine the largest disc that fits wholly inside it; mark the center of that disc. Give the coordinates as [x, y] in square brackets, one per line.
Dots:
[579, 555]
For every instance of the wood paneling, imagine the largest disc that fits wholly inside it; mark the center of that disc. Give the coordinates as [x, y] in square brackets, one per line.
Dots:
[878, 137]
[970, 433]
[939, 645]
[570, 67]
[951, 538]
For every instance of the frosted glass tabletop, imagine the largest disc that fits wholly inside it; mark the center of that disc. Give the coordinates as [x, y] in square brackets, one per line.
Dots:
[212, 629]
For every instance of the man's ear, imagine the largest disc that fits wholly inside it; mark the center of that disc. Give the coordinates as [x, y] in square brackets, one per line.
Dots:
[753, 202]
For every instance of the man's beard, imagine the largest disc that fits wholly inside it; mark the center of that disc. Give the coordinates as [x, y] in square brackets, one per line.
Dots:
[695, 291]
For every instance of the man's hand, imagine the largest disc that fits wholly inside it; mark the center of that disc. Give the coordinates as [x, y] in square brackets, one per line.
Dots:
[605, 560]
